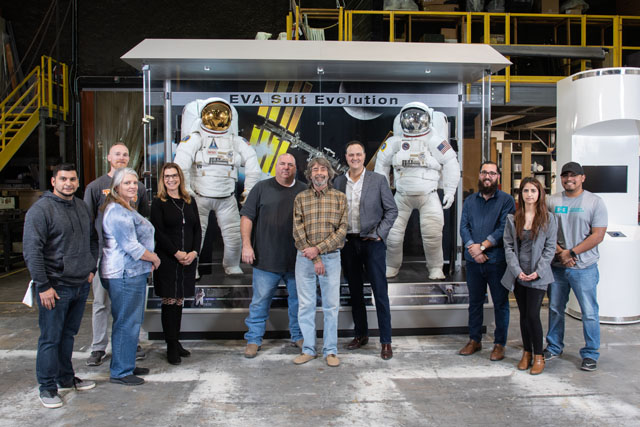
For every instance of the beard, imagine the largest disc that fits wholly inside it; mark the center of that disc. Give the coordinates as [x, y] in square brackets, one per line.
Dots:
[320, 180]
[487, 189]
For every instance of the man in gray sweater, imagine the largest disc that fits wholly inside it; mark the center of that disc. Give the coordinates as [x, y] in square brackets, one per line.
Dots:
[94, 196]
[60, 250]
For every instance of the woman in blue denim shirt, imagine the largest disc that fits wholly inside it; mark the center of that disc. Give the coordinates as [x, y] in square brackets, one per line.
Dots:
[127, 260]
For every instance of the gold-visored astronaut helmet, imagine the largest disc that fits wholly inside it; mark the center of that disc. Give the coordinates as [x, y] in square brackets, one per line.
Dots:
[216, 116]
[415, 121]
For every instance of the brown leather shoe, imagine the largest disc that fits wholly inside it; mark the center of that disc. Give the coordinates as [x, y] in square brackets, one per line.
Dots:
[357, 342]
[251, 351]
[525, 362]
[332, 360]
[497, 353]
[386, 353]
[303, 358]
[538, 364]
[471, 347]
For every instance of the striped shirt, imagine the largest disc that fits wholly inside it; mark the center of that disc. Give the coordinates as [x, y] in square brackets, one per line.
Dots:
[320, 220]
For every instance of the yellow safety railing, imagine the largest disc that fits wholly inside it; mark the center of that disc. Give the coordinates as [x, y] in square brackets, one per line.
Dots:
[44, 89]
[565, 26]
[54, 86]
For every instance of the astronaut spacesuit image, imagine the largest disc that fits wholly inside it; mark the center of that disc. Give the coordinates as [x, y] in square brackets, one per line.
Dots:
[210, 156]
[419, 156]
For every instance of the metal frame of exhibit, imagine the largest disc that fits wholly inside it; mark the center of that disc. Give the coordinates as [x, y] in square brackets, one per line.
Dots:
[171, 61]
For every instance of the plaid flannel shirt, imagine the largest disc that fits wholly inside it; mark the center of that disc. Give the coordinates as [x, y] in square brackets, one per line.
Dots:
[320, 219]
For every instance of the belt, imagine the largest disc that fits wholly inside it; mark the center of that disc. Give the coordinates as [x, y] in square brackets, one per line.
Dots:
[216, 198]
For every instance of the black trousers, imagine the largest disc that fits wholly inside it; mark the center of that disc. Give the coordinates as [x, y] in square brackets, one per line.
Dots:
[529, 302]
[358, 256]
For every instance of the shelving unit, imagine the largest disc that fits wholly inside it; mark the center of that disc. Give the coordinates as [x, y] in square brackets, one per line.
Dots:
[540, 168]
[516, 165]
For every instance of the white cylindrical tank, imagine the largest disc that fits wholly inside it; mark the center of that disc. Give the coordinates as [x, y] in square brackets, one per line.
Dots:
[599, 127]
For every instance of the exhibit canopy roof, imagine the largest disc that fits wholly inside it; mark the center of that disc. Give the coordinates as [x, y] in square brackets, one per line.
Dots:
[178, 59]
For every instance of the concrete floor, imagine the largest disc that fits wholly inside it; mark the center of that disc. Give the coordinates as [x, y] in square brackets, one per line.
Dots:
[426, 383]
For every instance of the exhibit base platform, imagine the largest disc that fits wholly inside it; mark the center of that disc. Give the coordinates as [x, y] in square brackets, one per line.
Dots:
[418, 307]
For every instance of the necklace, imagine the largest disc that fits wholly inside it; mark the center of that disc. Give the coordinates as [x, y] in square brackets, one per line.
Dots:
[180, 208]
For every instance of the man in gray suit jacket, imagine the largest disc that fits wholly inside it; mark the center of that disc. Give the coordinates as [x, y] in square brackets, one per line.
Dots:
[372, 212]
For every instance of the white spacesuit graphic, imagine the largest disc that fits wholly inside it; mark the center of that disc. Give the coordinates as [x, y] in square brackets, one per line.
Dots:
[210, 156]
[419, 156]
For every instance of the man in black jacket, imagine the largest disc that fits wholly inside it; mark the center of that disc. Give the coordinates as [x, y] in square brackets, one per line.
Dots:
[60, 250]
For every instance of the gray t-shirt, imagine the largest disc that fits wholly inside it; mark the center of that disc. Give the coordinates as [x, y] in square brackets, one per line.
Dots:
[576, 217]
[525, 254]
[95, 194]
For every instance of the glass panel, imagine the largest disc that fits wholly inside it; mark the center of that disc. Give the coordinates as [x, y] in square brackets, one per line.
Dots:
[118, 120]
[306, 119]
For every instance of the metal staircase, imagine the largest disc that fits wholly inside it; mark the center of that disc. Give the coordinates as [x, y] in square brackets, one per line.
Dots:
[42, 94]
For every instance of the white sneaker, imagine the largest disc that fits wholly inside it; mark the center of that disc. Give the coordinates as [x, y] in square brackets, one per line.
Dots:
[233, 271]
[436, 274]
[392, 271]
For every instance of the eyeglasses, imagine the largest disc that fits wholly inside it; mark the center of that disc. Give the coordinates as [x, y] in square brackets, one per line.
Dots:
[491, 174]
[174, 176]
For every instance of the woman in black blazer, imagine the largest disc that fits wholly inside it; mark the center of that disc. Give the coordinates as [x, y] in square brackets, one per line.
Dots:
[174, 215]
[529, 246]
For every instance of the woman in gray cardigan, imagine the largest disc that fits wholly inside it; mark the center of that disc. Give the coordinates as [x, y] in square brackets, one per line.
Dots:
[529, 245]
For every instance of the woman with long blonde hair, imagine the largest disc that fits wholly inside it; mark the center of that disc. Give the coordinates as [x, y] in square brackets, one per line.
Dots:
[127, 260]
[529, 244]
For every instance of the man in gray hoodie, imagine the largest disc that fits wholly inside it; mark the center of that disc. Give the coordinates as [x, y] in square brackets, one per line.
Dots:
[60, 251]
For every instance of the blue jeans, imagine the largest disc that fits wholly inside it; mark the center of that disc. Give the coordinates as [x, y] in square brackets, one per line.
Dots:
[127, 308]
[58, 327]
[264, 286]
[358, 256]
[478, 276]
[584, 283]
[307, 297]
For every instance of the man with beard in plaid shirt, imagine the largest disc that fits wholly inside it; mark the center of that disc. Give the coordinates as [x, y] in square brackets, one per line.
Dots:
[319, 230]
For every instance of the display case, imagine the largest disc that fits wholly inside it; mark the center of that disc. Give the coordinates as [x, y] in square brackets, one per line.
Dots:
[310, 99]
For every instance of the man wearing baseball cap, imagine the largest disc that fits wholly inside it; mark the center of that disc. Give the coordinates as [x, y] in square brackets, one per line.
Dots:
[582, 224]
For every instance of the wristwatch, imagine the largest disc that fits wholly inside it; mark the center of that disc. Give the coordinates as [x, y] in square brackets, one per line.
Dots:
[573, 254]
[483, 248]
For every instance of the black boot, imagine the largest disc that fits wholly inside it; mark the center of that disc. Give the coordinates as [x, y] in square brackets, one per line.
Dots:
[181, 350]
[173, 355]
[169, 327]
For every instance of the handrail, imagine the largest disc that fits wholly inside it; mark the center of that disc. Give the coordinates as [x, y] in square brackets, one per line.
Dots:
[509, 23]
[22, 83]
[32, 94]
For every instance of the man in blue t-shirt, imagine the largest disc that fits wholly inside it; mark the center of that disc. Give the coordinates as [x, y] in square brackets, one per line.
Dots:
[484, 215]
[266, 226]
[582, 223]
